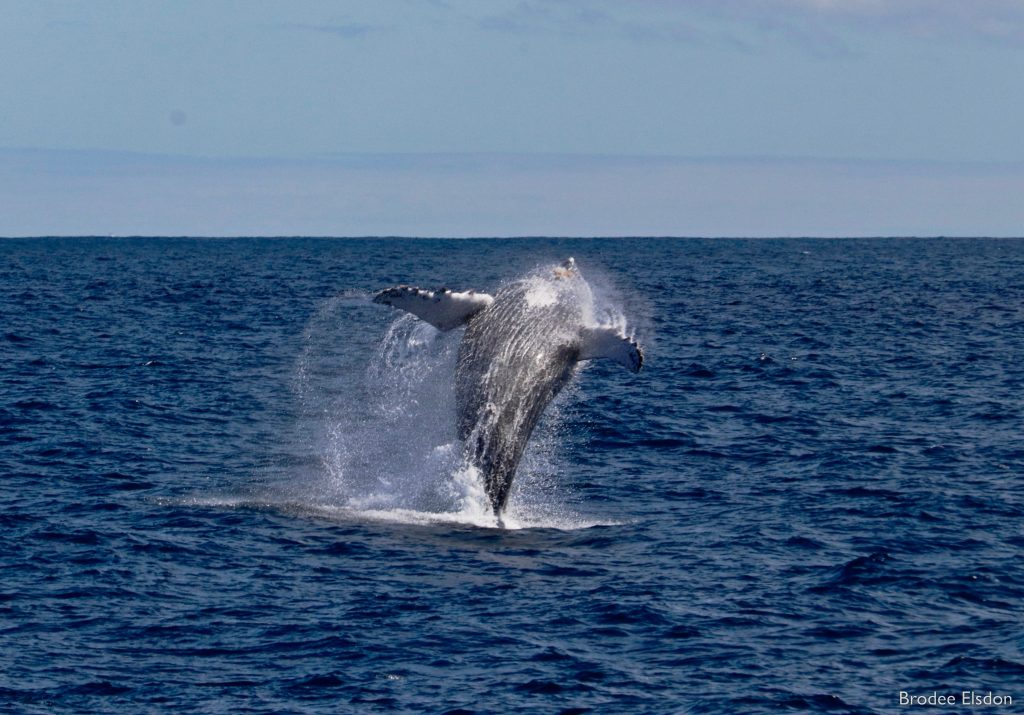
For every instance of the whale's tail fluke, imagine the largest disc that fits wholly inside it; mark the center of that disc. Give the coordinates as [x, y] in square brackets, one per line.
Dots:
[443, 308]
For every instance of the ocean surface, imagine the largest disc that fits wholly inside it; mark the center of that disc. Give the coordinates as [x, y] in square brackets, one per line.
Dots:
[230, 483]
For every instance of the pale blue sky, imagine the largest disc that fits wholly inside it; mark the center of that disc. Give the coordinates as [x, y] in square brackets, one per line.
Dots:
[710, 117]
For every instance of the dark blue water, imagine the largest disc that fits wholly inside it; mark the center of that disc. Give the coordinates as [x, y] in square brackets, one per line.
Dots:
[228, 482]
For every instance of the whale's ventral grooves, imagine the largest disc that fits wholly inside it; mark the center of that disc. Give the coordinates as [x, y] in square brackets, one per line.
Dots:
[520, 348]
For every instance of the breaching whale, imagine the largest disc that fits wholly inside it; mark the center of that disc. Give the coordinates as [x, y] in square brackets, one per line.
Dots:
[520, 348]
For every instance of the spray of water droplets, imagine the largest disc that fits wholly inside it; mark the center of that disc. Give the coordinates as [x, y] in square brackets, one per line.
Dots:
[378, 425]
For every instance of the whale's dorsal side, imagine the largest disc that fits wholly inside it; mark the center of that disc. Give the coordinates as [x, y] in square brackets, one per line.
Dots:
[609, 343]
[443, 308]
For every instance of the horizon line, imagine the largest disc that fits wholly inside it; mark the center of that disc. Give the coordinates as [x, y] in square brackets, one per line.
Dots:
[623, 237]
[341, 156]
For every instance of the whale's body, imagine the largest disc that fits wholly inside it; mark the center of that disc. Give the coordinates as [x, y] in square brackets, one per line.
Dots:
[515, 357]
[520, 348]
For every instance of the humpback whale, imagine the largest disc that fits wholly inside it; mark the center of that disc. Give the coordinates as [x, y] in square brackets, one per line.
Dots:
[521, 346]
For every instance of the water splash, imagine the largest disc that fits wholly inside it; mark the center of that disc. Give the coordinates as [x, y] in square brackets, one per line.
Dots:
[380, 432]
[343, 514]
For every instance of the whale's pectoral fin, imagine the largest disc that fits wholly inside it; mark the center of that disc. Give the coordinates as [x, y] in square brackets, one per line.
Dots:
[611, 344]
[443, 308]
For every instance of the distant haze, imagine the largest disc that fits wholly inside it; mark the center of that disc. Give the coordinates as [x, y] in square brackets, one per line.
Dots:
[214, 117]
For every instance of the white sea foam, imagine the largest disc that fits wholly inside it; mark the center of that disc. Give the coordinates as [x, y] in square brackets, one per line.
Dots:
[347, 513]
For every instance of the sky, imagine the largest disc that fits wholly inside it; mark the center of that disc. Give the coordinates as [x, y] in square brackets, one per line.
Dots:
[506, 118]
